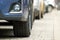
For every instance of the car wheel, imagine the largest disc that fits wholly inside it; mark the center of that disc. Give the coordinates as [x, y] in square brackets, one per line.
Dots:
[49, 8]
[38, 16]
[23, 28]
[41, 14]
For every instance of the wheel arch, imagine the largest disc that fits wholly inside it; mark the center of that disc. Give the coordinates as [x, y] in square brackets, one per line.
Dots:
[51, 5]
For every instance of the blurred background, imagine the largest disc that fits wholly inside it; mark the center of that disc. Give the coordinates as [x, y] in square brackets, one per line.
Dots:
[46, 25]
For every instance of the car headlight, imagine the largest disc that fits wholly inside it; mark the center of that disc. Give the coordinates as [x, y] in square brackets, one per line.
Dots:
[16, 7]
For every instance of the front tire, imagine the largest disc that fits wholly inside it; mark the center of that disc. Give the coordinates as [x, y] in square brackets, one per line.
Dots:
[23, 28]
[49, 8]
[38, 15]
[42, 14]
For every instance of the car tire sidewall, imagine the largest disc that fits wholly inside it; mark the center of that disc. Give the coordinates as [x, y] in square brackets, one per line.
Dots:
[29, 22]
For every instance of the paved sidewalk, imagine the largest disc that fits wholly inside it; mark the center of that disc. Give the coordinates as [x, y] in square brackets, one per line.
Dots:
[57, 26]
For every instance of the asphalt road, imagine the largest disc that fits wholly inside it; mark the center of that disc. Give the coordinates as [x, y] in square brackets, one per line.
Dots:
[44, 29]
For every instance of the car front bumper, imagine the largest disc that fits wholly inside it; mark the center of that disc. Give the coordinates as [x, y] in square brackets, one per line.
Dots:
[14, 17]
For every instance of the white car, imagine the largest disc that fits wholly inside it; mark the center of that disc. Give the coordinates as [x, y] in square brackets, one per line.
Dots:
[49, 4]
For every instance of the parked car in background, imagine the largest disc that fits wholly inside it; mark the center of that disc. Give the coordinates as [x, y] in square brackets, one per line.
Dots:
[38, 8]
[49, 5]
